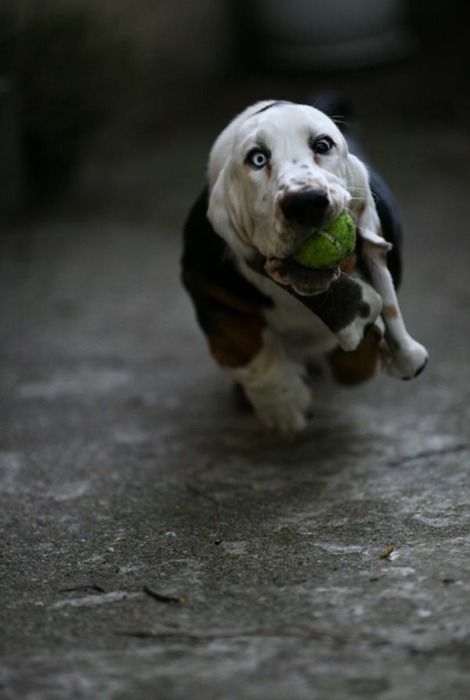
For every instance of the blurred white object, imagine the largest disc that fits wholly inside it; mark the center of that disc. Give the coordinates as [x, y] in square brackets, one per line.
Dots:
[331, 33]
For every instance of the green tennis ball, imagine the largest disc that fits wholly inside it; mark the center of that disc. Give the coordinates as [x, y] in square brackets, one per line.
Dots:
[328, 247]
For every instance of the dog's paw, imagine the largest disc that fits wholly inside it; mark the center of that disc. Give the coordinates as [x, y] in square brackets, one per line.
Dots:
[407, 361]
[285, 405]
[350, 337]
[288, 416]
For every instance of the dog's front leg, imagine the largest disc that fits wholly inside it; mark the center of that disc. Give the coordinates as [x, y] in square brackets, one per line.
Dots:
[406, 358]
[275, 386]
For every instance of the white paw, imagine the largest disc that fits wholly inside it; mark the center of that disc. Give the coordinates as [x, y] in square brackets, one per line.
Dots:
[407, 361]
[284, 406]
[350, 337]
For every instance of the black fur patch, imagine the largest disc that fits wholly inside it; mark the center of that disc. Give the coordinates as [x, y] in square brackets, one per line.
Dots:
[273, 104]
[340, 305]
[207, 262]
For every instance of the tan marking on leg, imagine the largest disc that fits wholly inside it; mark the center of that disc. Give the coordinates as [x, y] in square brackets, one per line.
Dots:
[360, 364]
[349, 264]
[390, 311]
[237, 341]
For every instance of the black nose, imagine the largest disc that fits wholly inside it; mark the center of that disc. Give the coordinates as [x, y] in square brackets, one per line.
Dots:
[305, 208]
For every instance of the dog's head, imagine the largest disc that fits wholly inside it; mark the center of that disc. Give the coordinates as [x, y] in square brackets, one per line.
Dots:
[278, 172]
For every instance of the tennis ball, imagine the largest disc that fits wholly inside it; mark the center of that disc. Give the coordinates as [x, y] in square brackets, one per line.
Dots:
[329, 246]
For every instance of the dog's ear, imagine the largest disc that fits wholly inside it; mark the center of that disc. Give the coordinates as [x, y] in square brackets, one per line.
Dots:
[225, 211]
[363, 205]
[218, 211]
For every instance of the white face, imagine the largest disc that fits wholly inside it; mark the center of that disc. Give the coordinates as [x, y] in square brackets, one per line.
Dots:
[278, 172]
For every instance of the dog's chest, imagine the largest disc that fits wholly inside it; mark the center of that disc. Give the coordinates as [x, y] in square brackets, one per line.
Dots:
[298, 327]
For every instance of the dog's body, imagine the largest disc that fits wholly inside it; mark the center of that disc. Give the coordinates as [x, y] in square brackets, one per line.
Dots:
[276, 173]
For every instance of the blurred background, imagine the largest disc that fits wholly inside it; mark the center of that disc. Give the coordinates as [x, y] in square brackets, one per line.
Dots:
[79, 77]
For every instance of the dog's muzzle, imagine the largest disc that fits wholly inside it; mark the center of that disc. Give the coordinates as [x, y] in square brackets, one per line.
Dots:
[304, 210]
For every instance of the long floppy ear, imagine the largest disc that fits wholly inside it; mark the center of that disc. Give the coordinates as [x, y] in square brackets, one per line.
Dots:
[224, 212]
[363, 205]
[217, 211]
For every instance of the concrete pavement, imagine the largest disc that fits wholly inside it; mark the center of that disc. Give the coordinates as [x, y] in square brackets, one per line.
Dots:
[155, 542]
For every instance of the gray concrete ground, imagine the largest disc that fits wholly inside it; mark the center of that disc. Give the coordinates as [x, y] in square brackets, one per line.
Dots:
[126, 464]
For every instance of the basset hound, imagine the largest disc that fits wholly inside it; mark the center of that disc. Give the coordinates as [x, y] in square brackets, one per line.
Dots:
[278, 172]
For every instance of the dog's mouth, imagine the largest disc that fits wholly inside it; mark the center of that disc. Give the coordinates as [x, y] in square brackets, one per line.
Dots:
[304, 280]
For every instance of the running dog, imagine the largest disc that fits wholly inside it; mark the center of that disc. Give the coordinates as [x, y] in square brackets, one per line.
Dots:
[278, 172]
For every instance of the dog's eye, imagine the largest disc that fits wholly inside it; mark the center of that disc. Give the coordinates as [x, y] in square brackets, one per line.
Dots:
[257, 158]
[322, 145]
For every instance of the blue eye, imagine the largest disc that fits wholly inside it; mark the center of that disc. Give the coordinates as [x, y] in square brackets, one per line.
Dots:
[257, 158]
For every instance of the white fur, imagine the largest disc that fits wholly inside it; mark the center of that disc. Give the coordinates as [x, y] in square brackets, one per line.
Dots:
[244, 208]
[275, 386]
[405, 357]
